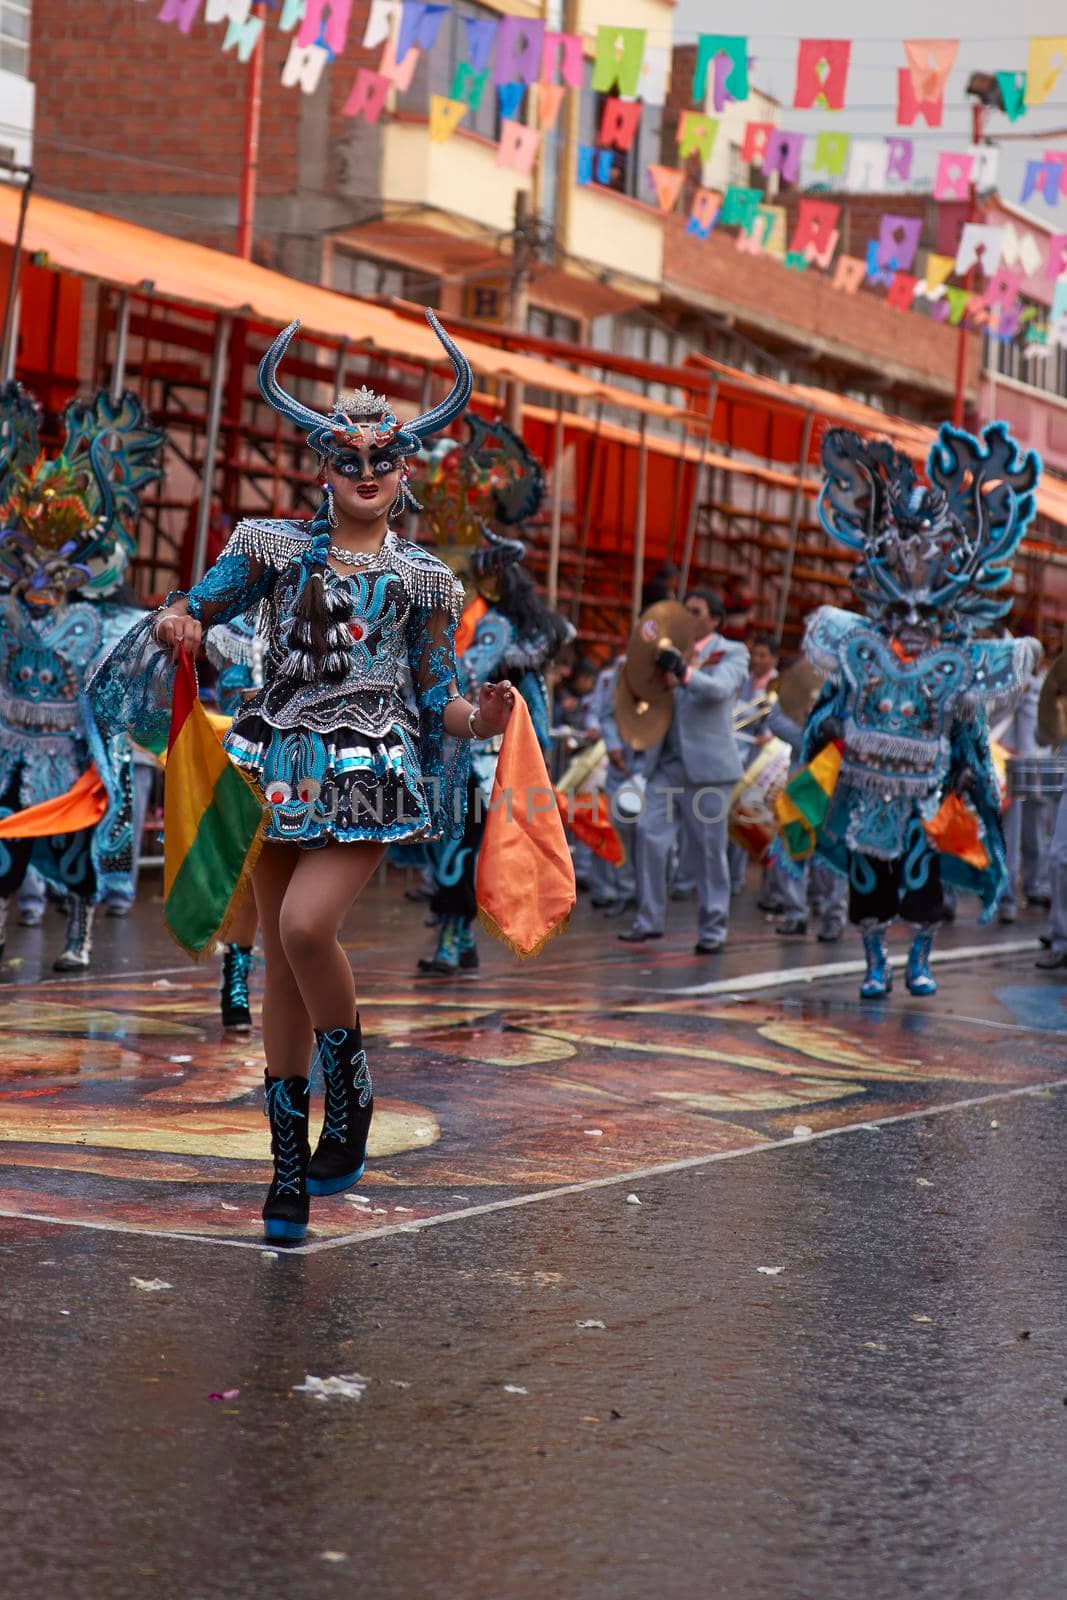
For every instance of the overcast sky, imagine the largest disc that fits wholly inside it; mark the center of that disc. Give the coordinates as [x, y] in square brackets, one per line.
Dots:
[870, 108]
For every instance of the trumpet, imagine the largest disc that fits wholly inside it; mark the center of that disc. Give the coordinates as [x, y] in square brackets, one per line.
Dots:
[749, 712]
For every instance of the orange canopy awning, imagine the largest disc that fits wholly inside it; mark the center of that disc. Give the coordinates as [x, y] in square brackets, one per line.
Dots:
[766, 418]
[118, 252]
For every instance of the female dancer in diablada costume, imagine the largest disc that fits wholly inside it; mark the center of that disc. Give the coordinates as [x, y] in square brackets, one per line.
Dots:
[345, 740]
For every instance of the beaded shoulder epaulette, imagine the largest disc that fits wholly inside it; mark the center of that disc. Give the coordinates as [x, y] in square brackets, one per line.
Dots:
[429, 582]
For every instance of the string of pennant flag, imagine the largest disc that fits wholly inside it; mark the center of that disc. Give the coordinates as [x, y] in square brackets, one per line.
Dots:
[510, 58]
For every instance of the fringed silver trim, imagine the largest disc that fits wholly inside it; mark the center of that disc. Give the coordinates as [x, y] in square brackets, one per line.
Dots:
[276, 541]
[227, 646]
[51, 717]
[921, 755]
[428, 581]
[888, 786]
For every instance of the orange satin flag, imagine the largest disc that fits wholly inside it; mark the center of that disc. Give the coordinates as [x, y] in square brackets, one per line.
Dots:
[468, 624]
[81, 807]
[525, 881]
[955, 831]
[592, 825]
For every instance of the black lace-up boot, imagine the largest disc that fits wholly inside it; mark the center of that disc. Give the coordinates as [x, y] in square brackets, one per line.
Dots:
[341, 1152]
[285, 1210]
[233, 995]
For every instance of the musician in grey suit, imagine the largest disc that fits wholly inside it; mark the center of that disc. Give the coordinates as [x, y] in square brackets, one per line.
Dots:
[690, 776]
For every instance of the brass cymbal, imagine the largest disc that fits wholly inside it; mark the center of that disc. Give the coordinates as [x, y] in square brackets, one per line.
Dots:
[798, 690]
[644, 702]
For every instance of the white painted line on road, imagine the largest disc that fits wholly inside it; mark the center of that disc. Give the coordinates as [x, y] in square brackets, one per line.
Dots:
[845, 969]
[516, 1201]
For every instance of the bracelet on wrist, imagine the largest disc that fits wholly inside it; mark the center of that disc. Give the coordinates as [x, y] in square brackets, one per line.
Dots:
[470, 725]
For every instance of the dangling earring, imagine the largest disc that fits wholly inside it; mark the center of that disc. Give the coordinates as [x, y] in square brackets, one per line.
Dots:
[331, 515]
[398, 507]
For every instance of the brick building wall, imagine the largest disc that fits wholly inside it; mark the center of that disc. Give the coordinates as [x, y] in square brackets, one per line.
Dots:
[913, 357]
[138, 119]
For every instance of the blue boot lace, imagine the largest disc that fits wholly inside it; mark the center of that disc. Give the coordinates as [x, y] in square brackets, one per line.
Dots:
[237, 965]
[335, 1089]
[283, 1120]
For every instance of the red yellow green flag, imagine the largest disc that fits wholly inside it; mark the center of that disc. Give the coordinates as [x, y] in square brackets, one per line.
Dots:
[213, 822]
[802, 806]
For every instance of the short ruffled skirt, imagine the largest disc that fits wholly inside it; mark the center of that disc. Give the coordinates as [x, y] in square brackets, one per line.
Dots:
[343, 787]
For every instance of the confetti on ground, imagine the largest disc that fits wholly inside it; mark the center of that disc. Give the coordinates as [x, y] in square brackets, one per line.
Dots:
[632, 1200]
[224, 1394]
[226, 1206]
[872, 1344]
[515, 1388]
[268, 1255]
[162, 983]
[770, 1272]
[64, 1313]
[180, 1060]
[924, 1183]
[591, 1323]
[994, 1124]
[403, 1208]
[151, 1285]
[920, 1318]
[346, 1386]
[334, 1556]
[802, 1131]
[593, 1133]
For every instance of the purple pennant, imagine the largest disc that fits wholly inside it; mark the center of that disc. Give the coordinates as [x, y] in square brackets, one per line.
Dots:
[519, 46]
[898, 240]
[183, 12]
[901, 156]
[783, 154]
[481, 36]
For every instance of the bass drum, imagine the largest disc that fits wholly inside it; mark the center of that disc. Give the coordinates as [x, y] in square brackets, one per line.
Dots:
[753, 823]
[1036, 777]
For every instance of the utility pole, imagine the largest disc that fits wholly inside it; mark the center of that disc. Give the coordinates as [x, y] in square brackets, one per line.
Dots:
[978, 110]
[519, 296]
[246, 204]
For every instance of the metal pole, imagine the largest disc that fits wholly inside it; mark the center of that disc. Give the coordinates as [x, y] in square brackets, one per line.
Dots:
[246, 201]
[556, 532]
[211, 440]
[642, 518]
[9, 342]
[694, 512]
[339, 369]
[122, 342]
[794, 526]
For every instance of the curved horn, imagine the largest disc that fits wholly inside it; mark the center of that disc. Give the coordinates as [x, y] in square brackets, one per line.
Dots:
[496, 553]
[456, 403]
[275, 395]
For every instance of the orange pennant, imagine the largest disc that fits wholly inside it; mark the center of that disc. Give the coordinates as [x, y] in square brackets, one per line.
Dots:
[588, 816]
[525, 880]
[667, 182]
[549, 101]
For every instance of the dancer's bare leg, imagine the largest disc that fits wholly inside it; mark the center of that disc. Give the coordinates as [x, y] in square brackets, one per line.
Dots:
[287, 1035]
[321, 890]
[244, 922]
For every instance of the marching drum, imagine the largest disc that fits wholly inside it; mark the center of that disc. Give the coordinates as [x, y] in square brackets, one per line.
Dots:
[753, 823]
[1036, 777]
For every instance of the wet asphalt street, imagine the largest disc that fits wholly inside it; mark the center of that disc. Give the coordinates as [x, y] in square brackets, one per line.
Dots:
[579, 1396]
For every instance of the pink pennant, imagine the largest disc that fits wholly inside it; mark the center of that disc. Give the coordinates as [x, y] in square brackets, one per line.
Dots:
[326, 23]
[563, 53]
[399, 76]
[369, 94]
[518, 147]
[902, 291]
[822, 73]
[953, 176]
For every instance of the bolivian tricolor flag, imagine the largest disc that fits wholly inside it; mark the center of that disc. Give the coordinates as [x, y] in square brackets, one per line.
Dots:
[802, 806]
[213, 822]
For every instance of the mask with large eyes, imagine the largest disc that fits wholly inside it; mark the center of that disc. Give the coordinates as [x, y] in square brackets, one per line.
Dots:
[352, 465]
